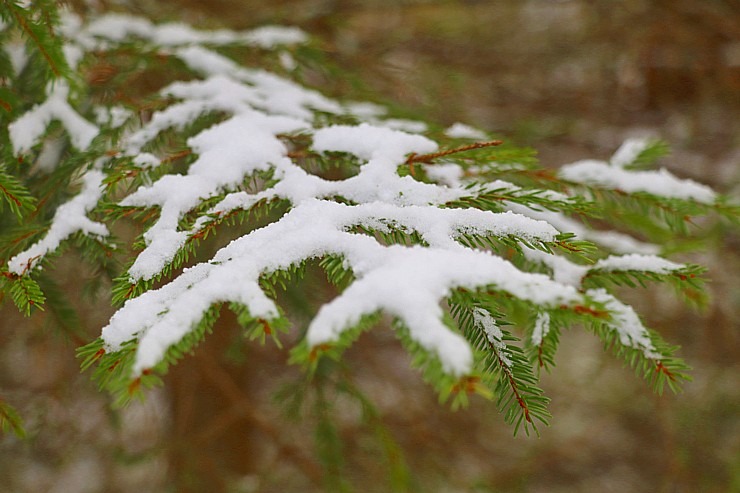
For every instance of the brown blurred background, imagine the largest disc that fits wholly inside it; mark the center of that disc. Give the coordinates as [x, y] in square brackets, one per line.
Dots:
[572, 79]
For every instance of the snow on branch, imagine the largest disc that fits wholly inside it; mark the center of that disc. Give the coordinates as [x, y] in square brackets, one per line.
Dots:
[26, 131]
[70, 217]
[395, 278]
[661, 182]
[266, 128]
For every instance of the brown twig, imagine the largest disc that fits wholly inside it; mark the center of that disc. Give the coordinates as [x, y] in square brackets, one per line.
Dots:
[427, 158]
[177, 155]
[27, 29]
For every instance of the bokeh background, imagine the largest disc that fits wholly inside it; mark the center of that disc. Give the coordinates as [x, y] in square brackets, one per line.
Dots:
[571, 78]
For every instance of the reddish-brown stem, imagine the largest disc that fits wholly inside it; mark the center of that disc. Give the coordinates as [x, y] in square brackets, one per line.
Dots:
[30, 33]
[11, 196]
[177, 155]
[660, 368]
[427, 158]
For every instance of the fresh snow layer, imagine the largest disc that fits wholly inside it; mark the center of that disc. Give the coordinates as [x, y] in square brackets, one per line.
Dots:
[644, 263]
[494, 335]
[27, 130]
[367, 142]
[626, 323]
[69, 218]
[462, 131]
[395, 279]
[612, 240]
[120, 27]
[661, 182]
[541, 328]
[258, 109]
[629, 151]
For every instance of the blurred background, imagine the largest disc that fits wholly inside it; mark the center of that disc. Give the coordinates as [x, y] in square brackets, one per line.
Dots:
[572, 79]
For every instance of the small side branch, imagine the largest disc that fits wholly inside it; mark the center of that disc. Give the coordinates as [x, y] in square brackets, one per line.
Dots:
[427, 158]
[24, 25]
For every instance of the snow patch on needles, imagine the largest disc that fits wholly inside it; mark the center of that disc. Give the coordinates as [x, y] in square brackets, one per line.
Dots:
[541, 328]
[626, 323]
[613, 240]
[396, 279]
[493, 334]
[643, 263]
[69, 218]
[629, 151]
[462, 131]
[27, 130]
[120, 27]
[661, 182]
[260, 113]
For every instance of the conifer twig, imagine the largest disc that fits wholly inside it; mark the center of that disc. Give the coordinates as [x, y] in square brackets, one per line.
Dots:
[42, 49]
[427, 158]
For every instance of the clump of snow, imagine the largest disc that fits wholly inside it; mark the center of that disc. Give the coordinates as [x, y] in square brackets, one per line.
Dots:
[613, 240]
[626, 323]
[28, 129]
[563, 270]
[367, 142]
[449, 174]
[661, 182]
[364, 110]
[541, 328]
[287, 61]
[462, 131]
[396, 279]
[278, 94]
[112, 116]
[411, 126]
[493, 334]
[644, 263]
[17, 54]
[120, 27]
[69, 218]
[629, 151]
[227, 153]
[258, 109]
[272, 36]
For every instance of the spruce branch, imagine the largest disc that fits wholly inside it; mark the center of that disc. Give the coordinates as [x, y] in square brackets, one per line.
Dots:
[430, 157]
[10, 420]
[400, 224]
[15, 195]
[41, 34]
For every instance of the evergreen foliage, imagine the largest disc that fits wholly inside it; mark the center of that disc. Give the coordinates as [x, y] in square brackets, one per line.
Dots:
[67, 182]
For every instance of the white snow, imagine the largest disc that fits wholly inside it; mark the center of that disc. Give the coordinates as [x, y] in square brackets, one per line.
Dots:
[449, 174]
[271, 36]
[541, 328]
[119, 27]
[613, 240]
[17, 54]
[563, 270]
[626, 323]
[661, 182]
[411, 126]
[629, 151]
[396, 279]
[367, 142]
[69, 218]
[493, 334]
[256, 110]
[227, 153]
[644, 263]
[28, 129]
[112, 116]
[462, 131]
[287, 61]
